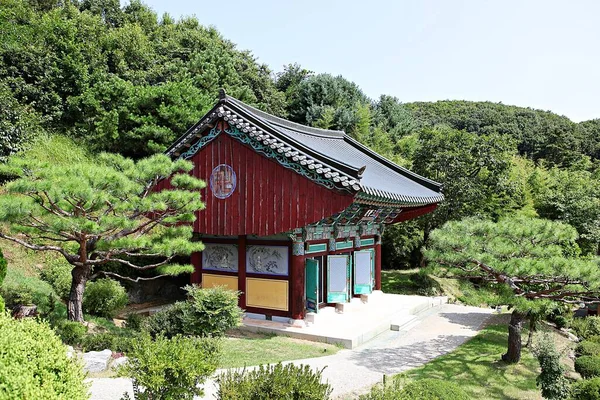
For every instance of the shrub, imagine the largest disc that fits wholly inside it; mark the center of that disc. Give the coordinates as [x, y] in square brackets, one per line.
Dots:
[35, 364]
[593, 338]
[168, 322]
[2, 305]
[552, 378]
[134, 321]
[58, 274]
[588, 348]
[121, 342]
[104, 298]
[17, 294]
[215, 310]
[588, 366]
[207, 312]
[70, 332]
[274, 382]
[586, 389]
[586, 327]
[3, 267]
[422, 389]
[166, 369]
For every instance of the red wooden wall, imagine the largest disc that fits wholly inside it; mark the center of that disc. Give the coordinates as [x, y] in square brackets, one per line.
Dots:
[268, 199]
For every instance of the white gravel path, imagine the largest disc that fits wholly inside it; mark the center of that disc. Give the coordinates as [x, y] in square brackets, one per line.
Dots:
[353, 372]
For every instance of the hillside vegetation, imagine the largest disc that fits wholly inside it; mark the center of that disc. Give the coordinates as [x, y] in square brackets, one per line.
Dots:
[126, 80]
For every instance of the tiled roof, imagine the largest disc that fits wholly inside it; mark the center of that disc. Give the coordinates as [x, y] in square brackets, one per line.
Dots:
[332, 155]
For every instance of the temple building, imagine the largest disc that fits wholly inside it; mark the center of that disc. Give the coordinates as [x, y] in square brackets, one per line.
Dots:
[294, 214]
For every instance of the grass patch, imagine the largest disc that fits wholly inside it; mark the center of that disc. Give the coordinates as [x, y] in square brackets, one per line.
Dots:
[242, 348]
[476, 367]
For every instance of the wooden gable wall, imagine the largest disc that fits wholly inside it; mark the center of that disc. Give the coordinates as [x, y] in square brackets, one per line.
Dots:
[268, 199]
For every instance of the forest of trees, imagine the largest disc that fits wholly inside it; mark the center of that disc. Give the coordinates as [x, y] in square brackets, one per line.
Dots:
[125, 80]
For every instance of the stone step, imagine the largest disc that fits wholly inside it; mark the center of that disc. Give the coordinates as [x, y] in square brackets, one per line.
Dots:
[403, 323]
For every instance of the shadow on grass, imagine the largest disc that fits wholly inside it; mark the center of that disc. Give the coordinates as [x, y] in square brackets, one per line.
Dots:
[475, 365]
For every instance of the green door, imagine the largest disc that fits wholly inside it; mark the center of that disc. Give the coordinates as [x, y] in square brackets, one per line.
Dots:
[363, 272]
[338, 278]
[311, 285]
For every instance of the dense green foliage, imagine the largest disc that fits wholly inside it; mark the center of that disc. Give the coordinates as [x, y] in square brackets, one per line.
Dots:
[526, 263]
[35, 364]
[170, 369]
[273, 382]
[70, 332]
[587, 328]
[206, 312]
[422, 389]
[587, 348]
[588, 366]
[57, 272]
[104, 298]
[125, 80]
[586, 389]
[552, 380]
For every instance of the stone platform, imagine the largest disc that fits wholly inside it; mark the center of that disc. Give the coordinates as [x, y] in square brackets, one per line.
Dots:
[350, 324]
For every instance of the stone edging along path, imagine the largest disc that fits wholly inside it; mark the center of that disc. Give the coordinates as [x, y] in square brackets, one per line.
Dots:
[353, 372]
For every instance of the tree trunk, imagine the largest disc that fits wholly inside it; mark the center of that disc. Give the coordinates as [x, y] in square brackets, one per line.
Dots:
[74, 306]
[513, 354]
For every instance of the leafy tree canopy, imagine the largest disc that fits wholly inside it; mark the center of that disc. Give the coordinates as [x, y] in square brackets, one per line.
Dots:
[524, 259]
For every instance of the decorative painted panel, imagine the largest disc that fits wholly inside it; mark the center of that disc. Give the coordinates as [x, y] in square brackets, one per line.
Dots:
[348, 244]
[367, 242]
[267, 293]
[220, 257]
[270, 260]
[316, 248]
[212, 280]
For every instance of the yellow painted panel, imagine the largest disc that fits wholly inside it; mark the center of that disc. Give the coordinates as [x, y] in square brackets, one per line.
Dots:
[267, 293]
[212, 280]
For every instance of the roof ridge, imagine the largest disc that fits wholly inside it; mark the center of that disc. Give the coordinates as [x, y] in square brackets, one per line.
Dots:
[282, 122]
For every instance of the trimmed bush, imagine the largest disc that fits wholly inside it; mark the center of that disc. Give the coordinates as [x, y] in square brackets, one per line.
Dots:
[586, 327]
[422, 389]
[586, 389]
[104, 298]
[70, 332]
[58, 274]
[121, 342]
[551, 380]
[206, 312]
[588, 366]
[275, 382]
[17, 294]
[166, 369]
[594, 339]
[35, 364]
[134, 321]
[588, 348]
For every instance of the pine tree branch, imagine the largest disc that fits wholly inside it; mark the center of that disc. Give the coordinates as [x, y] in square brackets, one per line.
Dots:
[138, 279]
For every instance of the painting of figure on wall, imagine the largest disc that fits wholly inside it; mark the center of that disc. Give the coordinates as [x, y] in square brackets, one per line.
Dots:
[220, 257]
[270, 260]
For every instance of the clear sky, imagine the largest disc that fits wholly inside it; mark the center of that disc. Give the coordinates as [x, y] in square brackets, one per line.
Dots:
[537, 53]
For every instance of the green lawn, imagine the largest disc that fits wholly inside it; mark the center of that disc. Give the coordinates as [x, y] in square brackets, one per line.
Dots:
[244, 348]
[477, 368]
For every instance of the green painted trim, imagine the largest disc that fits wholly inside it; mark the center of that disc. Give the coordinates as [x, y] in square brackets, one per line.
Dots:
[316, 248]
[367, 242]
[348, 244]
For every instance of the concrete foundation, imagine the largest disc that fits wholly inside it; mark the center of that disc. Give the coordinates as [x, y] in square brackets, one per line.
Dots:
[351, 324]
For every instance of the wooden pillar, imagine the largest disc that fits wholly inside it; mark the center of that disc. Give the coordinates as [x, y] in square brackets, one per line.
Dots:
[297, 279]
[242, 270]
[196, 277]
[378, 262]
